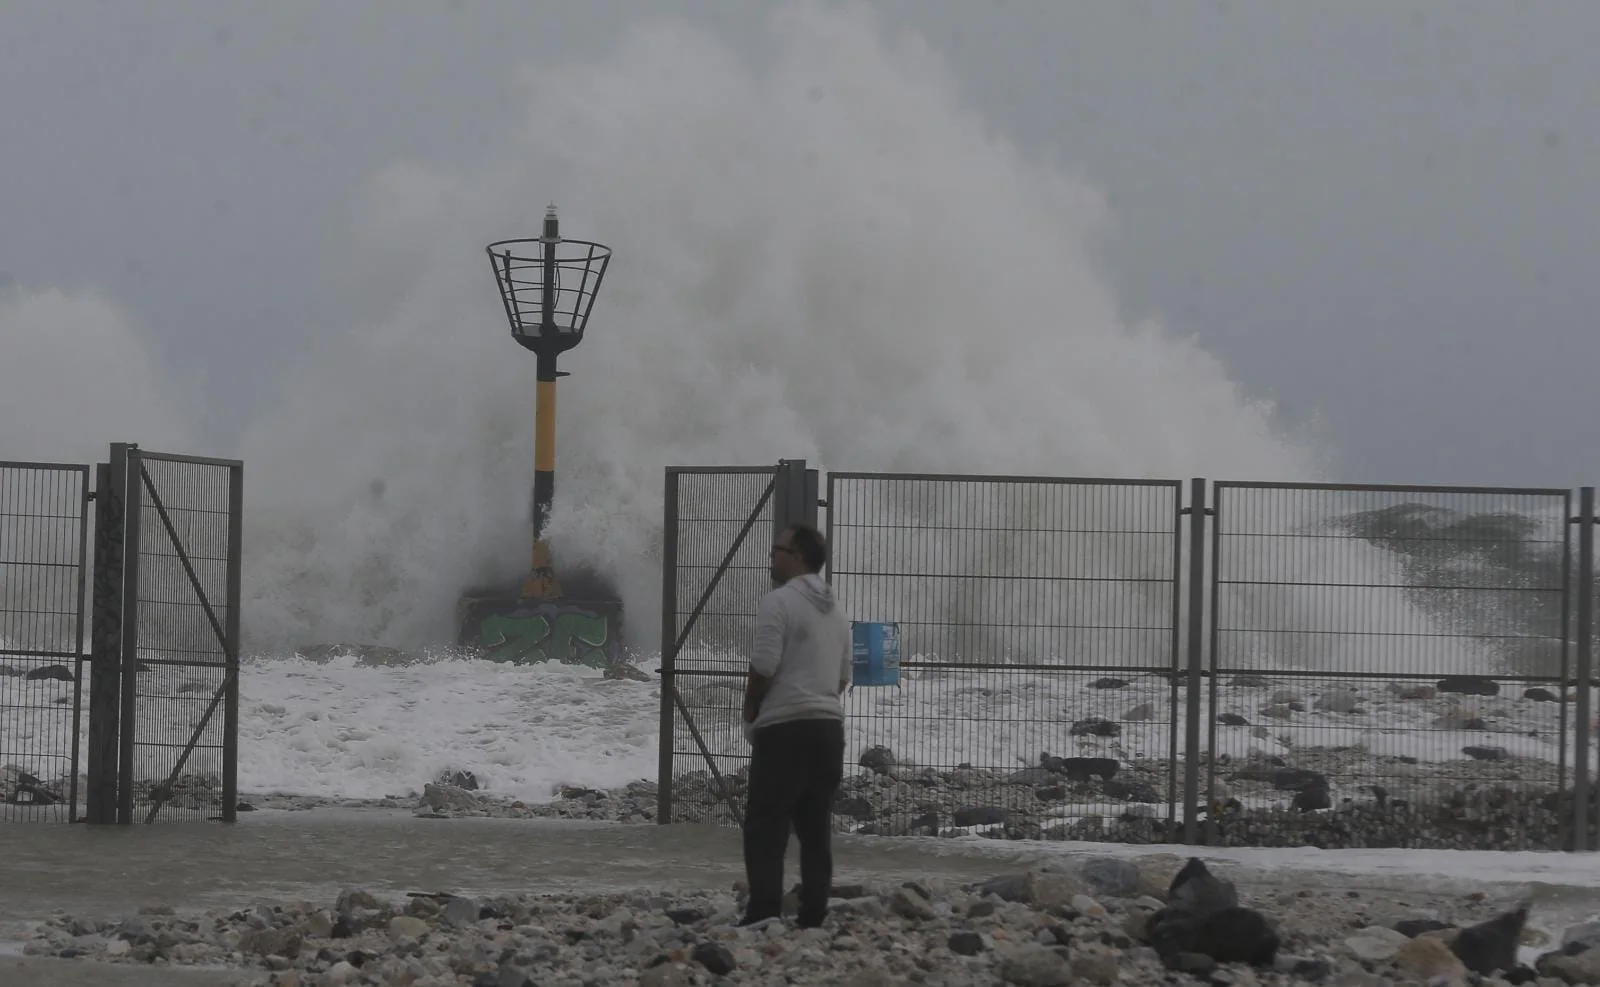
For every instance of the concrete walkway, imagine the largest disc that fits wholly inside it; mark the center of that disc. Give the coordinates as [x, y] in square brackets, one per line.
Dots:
[108, 872]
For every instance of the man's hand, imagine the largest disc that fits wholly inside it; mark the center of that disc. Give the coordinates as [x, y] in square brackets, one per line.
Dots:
[755, 690]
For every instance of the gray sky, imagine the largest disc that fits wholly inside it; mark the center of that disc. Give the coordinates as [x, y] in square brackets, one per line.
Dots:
[1381, 214]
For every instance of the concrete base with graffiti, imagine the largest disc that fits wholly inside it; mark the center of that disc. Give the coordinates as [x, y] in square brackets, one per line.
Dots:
[523, 631]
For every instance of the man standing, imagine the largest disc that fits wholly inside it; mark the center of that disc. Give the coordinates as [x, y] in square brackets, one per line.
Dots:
[794, 716]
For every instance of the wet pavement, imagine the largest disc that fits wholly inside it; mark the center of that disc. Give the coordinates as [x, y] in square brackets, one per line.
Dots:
[276, 855]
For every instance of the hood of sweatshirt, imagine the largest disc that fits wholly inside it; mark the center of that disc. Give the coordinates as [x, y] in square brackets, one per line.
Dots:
[815, 590]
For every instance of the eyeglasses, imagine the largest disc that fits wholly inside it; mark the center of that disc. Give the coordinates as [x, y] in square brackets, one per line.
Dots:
[784, 549]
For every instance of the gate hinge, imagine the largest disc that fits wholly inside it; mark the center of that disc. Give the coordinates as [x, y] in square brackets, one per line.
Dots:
[822, 502]
[1204, 511]
[90, 495]
[1583, 520]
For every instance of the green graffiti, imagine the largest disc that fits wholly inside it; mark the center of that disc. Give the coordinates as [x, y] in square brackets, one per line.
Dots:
[548, 633]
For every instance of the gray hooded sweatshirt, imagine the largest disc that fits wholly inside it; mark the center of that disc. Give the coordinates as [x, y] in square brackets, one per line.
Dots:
[802, 643]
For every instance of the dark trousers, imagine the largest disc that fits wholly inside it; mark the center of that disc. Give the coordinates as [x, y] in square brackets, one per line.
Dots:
[795, 769]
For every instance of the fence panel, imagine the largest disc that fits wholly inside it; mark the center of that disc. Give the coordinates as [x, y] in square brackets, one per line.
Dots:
[1389, 666]
[43, 551]
[179, 717]
[718, 531]
[1039, 617]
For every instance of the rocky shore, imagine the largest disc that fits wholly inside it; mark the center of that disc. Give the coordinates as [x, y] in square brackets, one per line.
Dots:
[1463, 762]
[1258, 800]
[1073, 798]
[1094, 921]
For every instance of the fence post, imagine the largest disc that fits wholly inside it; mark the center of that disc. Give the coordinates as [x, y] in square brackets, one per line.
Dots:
[1195, 655]
[790, 503]
[1585, 670]
[105, 656]
[669, 637]
[810, 490]
[235, 591]
[128, 646]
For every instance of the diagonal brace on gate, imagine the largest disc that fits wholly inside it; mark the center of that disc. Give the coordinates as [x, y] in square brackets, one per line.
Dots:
[160, 796]
[683, 637]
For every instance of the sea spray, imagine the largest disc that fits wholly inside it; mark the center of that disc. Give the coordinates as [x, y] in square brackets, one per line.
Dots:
[825, 254]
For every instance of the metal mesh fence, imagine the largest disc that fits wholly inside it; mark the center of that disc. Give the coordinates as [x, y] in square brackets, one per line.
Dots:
[1389, 667]
[722, 525]
[1372, 665]
[1038, 622]
[43, 532]
[183, 525]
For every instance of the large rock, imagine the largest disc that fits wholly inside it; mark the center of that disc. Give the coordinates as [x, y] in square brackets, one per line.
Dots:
[18, 787]
[1376, 944]
[880, 760]
[1583, 936]
[1196, 890]
[448, 798]
[1338, 701]
[909, 902]
[1095, 727]
[1491, 946]
[1033, 965]
[1042, 888]
[1429, 960]
[1469, 685]
[1203, 918]
[715, 957]
[1112, 876]
[1579, 968]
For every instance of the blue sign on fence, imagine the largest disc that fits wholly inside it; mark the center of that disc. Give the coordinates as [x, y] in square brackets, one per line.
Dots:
[875, 654]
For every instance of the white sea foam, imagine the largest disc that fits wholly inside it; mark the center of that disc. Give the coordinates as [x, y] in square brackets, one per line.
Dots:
[344, 729]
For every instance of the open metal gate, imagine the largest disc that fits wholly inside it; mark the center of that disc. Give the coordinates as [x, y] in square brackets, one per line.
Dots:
[164, 692]
[718, 526]
[180, 709]
[43, 553]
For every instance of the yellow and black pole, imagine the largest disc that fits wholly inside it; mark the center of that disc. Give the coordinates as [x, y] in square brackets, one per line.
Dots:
[541, 580]
[547, 299]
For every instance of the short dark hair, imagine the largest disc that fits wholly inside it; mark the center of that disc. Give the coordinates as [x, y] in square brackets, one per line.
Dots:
[809, 544]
